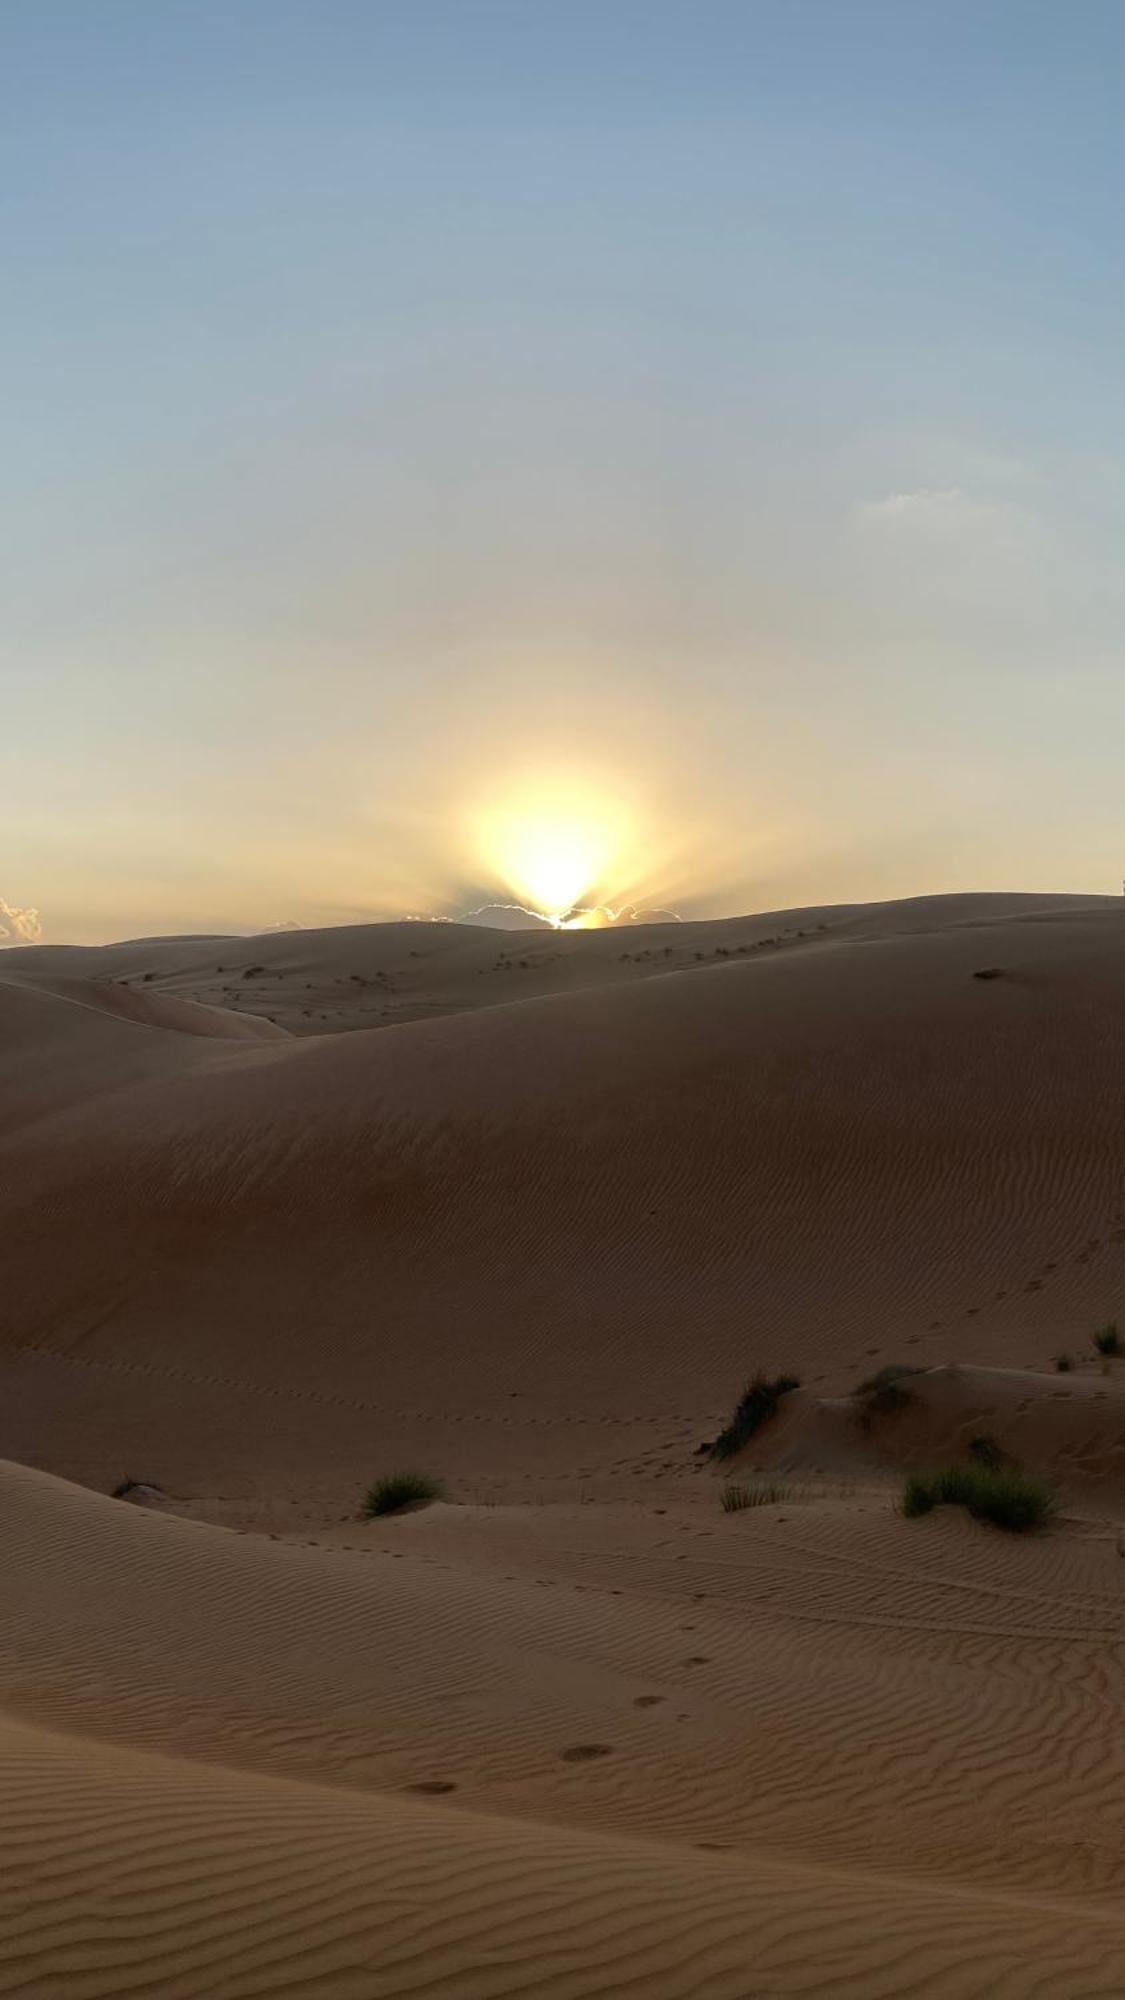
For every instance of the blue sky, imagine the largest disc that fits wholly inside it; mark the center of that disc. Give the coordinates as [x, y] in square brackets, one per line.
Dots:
[713, 409]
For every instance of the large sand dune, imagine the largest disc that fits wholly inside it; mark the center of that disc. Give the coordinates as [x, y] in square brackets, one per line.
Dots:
[529, 1223]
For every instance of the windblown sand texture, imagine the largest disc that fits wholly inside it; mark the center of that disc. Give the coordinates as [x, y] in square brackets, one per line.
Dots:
[281, 1214]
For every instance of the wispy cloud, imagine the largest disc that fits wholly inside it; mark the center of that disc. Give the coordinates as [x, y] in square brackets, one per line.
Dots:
[952, 519]
[19, 926]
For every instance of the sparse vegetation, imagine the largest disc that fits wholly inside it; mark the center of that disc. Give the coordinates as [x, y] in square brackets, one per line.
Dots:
[1001, 1494]
[734, 1498]
[399, 1490]
[1063, 1364]
[986, 1451]
[885, 1390]
[757, 1404]
[990, 972]
[1107, 1340]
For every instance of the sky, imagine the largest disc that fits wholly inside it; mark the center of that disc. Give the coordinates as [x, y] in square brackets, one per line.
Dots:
[458, 449]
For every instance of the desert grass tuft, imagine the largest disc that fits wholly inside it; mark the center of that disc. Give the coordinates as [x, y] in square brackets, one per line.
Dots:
[1107, 1340]
[757, 1404]
[886, 1391]
[1001, 1494]
[399, 1490]
[734, 1498]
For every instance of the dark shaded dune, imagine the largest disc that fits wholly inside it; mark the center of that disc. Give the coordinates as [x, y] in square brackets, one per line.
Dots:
[352, 976]
[608, 1204]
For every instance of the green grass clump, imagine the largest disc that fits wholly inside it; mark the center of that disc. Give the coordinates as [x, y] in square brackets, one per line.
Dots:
[1009, 1498]
[734, 1498]
[1107, 1340]
[757, 1404]
[884, 1390]
[401, 1489]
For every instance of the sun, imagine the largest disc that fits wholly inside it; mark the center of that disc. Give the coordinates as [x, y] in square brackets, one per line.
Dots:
[553, 862]
[554, 849]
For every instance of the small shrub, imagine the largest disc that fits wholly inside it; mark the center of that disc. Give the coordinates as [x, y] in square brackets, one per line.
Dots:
[733, 1498]
[757, 1404]
[1063, 1364]
[884, 1390]
[1001, 1494]
[990, 972]
[1107, 1340]
[401, 1489]
[986, 1451]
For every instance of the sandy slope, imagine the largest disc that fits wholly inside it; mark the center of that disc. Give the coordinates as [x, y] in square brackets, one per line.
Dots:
[381, 975]
[237, 1767]
[541, 1243]
[530, 1225]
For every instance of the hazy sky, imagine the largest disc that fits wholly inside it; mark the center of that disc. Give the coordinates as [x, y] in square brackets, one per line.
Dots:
[700, 422]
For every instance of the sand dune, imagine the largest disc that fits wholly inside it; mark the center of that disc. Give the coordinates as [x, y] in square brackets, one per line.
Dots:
[178, 1881]
[381, 975]
[529, 1223]
[1069, 1427]
[234, 1766]
[150, 1009]
[591, 1212]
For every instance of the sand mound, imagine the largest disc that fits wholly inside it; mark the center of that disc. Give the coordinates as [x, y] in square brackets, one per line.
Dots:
[1068, 1427]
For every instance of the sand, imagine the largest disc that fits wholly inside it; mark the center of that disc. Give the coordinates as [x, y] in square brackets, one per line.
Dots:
[575, 1730]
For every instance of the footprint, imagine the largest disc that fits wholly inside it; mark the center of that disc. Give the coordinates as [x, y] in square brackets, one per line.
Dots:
[581, 1753]
[698, 1660]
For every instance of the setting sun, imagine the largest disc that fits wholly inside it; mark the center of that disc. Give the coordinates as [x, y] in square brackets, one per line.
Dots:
[554, 847]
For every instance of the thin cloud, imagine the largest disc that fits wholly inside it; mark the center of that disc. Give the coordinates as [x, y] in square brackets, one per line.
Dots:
[948, 519]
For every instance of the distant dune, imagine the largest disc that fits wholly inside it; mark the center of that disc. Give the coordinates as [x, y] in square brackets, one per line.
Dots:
[525, 1211]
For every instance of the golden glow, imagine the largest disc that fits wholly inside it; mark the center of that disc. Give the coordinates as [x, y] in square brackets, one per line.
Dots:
[552, 845]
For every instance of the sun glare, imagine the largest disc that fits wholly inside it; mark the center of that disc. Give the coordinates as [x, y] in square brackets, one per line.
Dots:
[553, 851]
